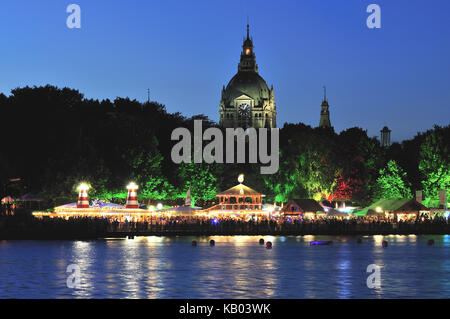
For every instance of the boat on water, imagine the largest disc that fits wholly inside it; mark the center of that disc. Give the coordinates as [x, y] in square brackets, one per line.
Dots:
[325, 242]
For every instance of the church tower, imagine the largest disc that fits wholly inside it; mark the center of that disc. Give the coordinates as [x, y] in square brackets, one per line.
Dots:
[247, 100]
[325, 112]
[385, 137]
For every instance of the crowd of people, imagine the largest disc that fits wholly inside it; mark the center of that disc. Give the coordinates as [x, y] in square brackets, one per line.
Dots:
[25, 225]
[180, 225]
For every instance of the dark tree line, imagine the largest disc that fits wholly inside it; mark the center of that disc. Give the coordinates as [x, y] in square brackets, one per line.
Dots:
[53, 139]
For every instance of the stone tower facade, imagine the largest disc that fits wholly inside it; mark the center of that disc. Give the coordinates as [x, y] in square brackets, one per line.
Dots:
[325, 111]
[247, 101]
[385, 137]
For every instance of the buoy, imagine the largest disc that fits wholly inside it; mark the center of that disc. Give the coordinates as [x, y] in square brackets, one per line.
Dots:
[212, 242]
[313, 243]
[194, 243]
[384, 243]
[359, 240]
[430, 242]
[269, 244]
[261, 241]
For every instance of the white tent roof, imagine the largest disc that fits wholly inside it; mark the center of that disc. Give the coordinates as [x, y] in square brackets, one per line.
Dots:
[182, 209]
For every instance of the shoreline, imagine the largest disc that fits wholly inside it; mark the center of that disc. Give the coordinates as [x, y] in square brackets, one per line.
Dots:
[124, 235]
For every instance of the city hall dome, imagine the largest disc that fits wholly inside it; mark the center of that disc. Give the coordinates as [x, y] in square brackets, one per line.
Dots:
[247, 83]
[247, 100]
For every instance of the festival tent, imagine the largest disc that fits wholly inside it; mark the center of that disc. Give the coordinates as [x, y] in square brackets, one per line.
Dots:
[395, 206]
[361, 213]
[112, 205]
[29, 199]
[185, 210]
[369, 212]
[307, 207]
[303, 206]
[335, 213]
[108, 205]
[372, 213]
[181, 210]
[70, 205]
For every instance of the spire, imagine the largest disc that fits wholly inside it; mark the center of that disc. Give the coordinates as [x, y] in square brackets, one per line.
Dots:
[248, 60]
[325, 113]
[248, 28]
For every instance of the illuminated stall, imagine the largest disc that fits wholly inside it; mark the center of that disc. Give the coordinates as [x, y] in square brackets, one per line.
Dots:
[240, 201]
[303, 208]
[395, 209]
[98, 209]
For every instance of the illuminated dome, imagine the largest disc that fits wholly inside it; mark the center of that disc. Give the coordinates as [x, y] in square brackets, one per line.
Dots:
[247, 101]
[246, 83]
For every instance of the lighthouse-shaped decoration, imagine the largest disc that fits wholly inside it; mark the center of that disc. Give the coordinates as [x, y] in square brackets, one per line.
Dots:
[132, 201]
[83, 201]
[188, 201]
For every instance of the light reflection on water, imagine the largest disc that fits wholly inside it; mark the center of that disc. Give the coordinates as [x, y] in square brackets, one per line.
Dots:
[237, 267]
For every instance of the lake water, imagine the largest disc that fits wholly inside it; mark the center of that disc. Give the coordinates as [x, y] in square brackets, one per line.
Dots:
[237, 267]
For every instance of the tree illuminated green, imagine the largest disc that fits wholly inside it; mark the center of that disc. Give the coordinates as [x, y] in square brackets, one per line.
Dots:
[392, 182]
[200, 177]
[147, 173]
[434, 163]
[307, 164]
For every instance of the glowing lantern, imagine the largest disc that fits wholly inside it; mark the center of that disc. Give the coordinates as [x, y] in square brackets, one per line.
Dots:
[132, 201]
[83, 201]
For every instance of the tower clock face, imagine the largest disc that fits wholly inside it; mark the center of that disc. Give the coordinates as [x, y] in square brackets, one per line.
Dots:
[244, 110]
[245, 115]
[244, 107]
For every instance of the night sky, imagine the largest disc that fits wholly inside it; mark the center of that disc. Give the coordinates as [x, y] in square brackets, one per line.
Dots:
[184, 51]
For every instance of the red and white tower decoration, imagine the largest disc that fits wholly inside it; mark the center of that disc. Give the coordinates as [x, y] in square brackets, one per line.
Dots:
[132, 201]
[83, 201]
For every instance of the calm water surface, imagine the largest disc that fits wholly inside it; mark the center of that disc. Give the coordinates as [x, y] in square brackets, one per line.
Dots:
[237, 267]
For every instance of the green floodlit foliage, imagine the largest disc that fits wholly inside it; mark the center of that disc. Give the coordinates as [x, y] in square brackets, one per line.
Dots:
[392, 182]
[434, 163]
[113, 196]
[434, 203]
[201, 179]
[146, 171]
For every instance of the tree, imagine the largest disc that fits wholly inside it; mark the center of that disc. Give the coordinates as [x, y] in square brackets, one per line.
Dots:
[146, 170]
[360, 159]
[345, 189]
[392, 182]
[307, 163]
[434, 163]
[200, 177]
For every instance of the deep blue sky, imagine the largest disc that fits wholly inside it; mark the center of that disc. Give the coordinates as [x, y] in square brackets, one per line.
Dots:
[185, 51]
